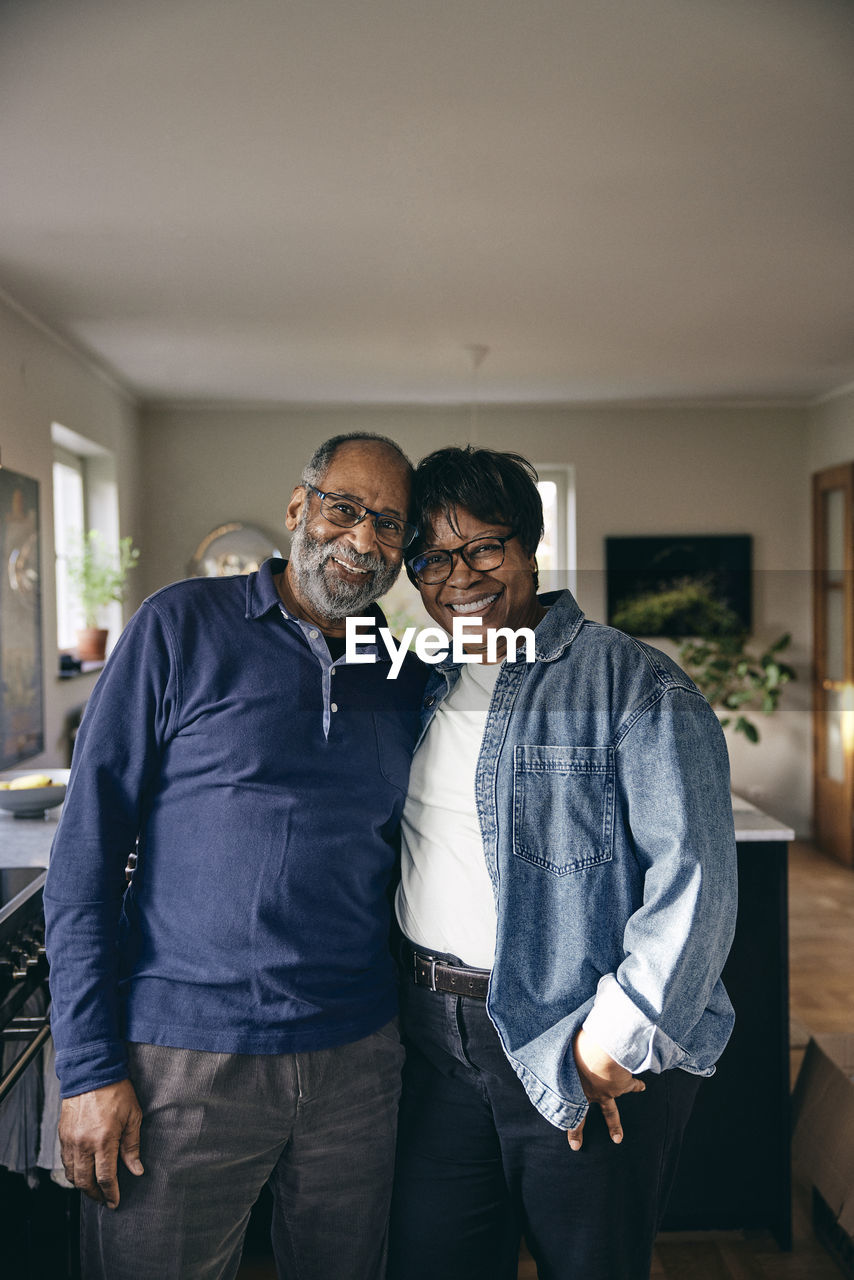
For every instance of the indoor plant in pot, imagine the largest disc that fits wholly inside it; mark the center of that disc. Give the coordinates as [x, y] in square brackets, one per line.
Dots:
[99, 577]
[736, 675]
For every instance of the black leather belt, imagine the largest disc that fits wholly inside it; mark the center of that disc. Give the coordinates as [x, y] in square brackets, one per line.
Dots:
[456, 980]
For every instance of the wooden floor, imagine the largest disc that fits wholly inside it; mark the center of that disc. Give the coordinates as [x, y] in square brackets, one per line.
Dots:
[821, 942]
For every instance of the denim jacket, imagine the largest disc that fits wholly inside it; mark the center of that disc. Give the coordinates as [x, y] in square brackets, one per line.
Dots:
[602, 792]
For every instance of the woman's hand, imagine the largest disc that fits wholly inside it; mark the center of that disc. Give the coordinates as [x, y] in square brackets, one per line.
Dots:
[602, 1080]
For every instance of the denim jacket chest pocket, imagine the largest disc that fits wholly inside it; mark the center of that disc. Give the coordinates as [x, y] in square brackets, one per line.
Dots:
[563, 806]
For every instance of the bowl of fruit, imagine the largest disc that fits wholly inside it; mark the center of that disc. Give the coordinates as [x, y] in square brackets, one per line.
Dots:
[30, 795]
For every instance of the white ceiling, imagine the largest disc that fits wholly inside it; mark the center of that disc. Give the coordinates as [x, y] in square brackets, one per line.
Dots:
[330, 200]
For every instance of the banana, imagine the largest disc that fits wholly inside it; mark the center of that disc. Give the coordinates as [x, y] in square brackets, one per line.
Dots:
[30, 782]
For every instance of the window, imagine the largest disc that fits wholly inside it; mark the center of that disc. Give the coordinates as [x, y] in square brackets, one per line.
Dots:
[85, 496]
[68, 519]
[556, 552]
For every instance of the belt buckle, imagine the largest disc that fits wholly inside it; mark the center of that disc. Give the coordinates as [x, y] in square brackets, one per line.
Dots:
[415, 958]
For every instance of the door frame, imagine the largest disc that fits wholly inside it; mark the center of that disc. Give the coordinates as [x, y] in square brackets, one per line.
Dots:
[833, 799]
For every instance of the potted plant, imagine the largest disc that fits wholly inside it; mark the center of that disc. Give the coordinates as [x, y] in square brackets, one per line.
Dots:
[99, 577]
[736, 676]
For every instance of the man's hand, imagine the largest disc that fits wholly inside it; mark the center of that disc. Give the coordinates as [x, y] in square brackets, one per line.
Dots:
[602, 1080]
[94, 1130]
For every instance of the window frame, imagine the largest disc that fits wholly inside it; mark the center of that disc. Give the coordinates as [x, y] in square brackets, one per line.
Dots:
[96, 467]
[564, 571]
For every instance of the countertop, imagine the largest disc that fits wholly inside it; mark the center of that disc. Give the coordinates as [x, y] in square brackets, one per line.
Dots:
[752, 825]
[25, 842]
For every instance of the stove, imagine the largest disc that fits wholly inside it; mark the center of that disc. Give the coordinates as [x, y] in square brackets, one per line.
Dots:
[39, 1236]
[23, 964]
[13, 882]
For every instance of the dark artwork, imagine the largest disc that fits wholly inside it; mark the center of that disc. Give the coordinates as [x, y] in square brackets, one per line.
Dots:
[21, 691]
[679, 586]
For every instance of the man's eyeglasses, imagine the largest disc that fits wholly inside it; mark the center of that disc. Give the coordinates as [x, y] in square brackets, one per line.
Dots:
[481, 554]
[347, 513]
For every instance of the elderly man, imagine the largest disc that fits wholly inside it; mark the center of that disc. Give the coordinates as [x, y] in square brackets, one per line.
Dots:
[229, 1018]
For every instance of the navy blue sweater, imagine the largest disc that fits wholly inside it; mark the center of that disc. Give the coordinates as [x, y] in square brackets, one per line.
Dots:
[257, 920]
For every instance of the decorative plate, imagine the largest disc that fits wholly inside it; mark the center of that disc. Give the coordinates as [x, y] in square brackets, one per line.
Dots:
[231, 549]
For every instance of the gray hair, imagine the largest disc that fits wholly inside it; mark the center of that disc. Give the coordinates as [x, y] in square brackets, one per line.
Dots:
[321, 460]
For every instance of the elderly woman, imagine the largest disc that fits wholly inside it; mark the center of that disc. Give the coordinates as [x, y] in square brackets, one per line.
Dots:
[567, 903]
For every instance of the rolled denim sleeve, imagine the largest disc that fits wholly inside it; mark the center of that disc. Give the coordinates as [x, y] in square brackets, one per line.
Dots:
[673, 784]
[116, 759]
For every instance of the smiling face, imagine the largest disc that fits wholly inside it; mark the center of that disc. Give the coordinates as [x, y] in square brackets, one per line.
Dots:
[503, 597]
[332, 572]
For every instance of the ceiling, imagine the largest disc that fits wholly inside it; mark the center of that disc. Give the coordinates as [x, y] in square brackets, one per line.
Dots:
[334, 200]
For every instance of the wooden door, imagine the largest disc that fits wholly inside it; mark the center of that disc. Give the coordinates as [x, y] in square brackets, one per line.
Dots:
[833, 669]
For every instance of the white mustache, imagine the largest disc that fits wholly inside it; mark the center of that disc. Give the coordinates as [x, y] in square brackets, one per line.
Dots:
[356, 560]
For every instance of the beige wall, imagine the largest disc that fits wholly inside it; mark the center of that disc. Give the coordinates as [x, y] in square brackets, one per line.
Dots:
[649, 470]
[638, 470]
[831, 432]
[40, 383]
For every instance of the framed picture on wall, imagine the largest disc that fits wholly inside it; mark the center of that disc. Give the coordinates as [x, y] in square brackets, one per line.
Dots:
[679, 585]
[21, 678]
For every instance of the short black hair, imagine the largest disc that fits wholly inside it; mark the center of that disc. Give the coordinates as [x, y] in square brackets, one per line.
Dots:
[495, 487]
[321, 460]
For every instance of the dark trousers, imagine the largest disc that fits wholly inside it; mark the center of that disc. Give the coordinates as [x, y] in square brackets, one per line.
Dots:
[478, 1166]
[216, 1126]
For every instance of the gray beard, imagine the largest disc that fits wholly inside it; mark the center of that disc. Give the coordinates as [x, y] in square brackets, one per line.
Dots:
[329, 596]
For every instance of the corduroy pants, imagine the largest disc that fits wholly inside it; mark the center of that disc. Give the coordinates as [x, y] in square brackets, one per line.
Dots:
[320, 1127]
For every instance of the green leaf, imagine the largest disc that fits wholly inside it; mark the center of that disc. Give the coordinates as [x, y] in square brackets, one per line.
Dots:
[731, 675]
[748, 728]
[97, 576]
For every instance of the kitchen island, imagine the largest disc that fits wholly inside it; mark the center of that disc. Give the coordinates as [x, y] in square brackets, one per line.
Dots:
[735, 1169]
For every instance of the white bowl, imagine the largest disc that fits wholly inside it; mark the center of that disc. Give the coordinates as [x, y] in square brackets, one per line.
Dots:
[32, 802]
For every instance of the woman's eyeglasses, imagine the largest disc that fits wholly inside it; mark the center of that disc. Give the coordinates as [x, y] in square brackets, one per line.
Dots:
[481, 554]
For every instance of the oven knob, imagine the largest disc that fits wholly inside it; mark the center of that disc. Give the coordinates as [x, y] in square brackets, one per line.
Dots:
[26, 953]
[36, 935]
